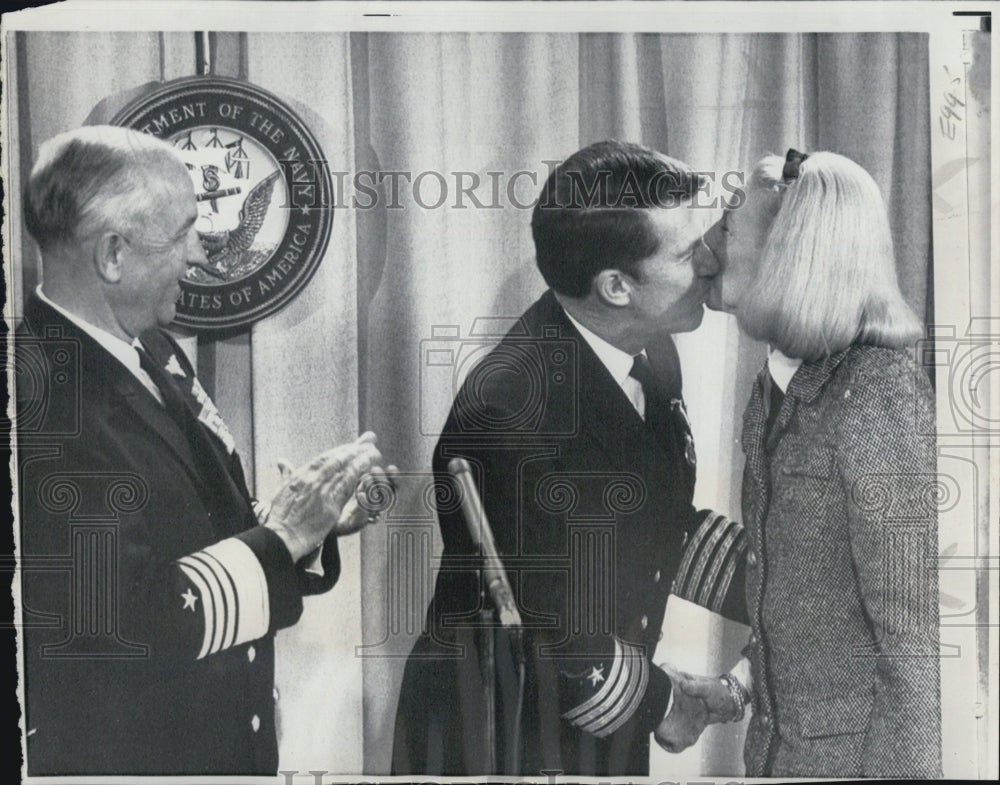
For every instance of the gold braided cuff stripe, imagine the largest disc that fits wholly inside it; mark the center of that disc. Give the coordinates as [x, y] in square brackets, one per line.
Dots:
[232, 593]
[619, 695]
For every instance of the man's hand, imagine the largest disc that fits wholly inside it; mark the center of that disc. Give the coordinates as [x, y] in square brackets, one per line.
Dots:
[374, 495]
[322, 496]
[687, 718]
[713, 693]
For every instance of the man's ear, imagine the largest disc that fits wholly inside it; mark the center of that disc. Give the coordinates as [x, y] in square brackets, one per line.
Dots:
[613, 287]
[107, 256]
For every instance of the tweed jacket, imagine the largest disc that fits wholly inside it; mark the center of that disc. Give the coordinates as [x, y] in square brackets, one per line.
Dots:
[841, 577]
[590, 514]
[145, 573]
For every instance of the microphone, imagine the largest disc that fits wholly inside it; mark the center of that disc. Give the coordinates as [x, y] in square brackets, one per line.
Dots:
[494, 575]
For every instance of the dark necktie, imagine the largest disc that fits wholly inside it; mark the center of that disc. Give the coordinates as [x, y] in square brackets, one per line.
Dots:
[173, 399]
[657, 414]
[643, 374]
[666, 418]
[216, 468]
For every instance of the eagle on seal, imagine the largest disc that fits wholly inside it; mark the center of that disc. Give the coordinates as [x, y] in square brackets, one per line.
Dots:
[225, 250]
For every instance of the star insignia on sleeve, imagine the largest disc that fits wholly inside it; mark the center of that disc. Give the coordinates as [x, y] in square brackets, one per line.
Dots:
[596, 675]
[190, 598]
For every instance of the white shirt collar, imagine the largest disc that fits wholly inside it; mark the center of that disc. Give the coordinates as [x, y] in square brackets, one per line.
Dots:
[121, 350]
[618, 363]
[782, 368]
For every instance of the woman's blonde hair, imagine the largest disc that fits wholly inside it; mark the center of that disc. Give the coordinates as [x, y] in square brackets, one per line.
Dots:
[826, 277]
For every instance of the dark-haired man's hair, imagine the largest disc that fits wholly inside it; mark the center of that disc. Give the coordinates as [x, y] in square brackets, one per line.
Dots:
[591, 214]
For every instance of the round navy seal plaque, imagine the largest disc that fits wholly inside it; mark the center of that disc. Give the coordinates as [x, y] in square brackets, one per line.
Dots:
[264, 195]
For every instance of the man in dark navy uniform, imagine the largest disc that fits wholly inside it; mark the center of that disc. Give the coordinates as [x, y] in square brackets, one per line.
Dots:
[576, 432]
[153, 584]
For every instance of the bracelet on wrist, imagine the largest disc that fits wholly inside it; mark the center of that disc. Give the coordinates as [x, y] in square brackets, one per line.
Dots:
[738, 694]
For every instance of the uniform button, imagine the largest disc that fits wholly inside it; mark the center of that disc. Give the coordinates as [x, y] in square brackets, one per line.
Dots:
[752, 559]
[644, 621]
[274, 692]
[753, 640]
[251, 654]
[660, 636]
[255, 723]
[656, 577]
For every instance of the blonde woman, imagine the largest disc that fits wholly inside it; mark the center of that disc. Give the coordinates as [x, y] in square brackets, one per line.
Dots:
[842, 666]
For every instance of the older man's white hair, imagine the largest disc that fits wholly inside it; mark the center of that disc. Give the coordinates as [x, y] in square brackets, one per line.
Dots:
[92, 178]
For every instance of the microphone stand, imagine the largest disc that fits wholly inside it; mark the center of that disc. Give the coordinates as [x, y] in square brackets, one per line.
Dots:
[487, 669]
[497, 605]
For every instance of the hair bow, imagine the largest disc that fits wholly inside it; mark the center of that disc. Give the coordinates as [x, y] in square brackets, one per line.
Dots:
[793, 159]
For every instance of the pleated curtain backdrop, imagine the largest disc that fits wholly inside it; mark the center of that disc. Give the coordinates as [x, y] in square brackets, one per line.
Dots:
[405, 275]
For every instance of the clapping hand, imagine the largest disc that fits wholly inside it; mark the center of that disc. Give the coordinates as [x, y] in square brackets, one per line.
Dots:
[340, 491]
[373, 495]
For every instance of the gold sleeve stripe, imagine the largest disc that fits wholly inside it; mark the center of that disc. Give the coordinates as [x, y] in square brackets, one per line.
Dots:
[218, 594]
[234, 591]
[251, 589]
[619, 696]
[608, 697]
[690, 552]
[726, 578]
[207, 605]
[629, 705]
[626, 699]
[581, 713]
[226, 599]
[710, 582]
[704, 542]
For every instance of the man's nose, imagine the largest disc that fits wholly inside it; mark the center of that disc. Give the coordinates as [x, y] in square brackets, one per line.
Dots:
[706, 263]
[194, 252]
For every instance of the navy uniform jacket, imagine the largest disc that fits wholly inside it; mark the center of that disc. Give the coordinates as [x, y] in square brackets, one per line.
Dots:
[150, 594]
[838, 504]
[590, 513]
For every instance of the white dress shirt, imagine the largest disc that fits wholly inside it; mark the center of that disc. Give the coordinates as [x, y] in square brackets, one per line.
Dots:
[618, 363]
[782, 368]
[121, 350]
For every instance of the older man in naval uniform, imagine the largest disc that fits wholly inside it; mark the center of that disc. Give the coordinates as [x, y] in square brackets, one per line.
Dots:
[153, 583]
